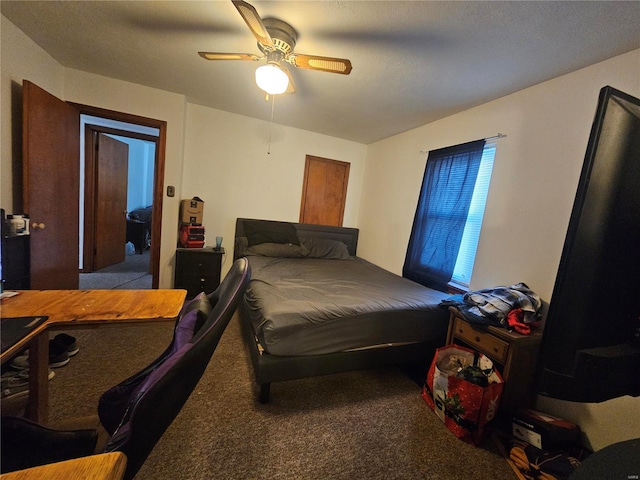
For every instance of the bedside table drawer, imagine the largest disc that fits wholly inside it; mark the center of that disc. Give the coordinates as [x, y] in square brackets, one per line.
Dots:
[197, 270]
[484, 341]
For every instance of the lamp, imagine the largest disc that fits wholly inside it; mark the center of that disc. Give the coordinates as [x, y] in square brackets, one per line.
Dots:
[272, 79]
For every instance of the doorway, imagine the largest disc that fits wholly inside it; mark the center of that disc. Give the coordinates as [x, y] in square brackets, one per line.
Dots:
[136, 125]
[117, 198]
[51, 184]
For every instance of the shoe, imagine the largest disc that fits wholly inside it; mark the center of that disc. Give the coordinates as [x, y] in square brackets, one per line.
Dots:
[58, 357]
[11, 375]
[68, 342]
[16, 384]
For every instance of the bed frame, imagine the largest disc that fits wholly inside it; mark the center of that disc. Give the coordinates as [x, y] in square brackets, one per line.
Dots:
[275, 368]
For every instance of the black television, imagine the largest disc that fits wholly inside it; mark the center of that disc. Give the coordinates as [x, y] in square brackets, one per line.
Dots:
[590, 348]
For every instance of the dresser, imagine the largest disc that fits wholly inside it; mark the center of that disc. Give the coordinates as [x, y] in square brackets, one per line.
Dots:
[198, 269]
[16, 262]
[514, 356]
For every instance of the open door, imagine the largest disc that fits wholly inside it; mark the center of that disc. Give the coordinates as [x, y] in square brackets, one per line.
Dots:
[51, 187]
[112, 161]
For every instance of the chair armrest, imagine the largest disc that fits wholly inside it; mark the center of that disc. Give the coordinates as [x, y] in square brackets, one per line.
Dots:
[26, 444]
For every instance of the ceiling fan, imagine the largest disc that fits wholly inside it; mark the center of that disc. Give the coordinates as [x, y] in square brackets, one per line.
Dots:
[276, 41]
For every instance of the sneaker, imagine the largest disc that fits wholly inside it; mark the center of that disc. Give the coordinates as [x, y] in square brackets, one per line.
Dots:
[58, 357]
[67, 342]
[16, 384]
[21, 374]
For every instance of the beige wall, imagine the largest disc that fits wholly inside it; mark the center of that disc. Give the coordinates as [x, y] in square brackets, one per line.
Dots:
[227, 163]
[532, 190]
[42, 70]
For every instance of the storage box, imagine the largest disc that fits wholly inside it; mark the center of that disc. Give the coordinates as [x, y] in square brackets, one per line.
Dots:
[544, 431]
[191, 211]
[192, 236]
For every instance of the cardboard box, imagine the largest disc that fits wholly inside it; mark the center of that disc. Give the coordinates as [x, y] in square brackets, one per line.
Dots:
[191, 211]
[544, 431]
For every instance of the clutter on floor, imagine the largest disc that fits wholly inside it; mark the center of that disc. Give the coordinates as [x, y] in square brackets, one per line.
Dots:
[15, 378]
[541, 446]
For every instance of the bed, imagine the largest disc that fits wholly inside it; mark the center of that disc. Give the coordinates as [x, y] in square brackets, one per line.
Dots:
[314, 308]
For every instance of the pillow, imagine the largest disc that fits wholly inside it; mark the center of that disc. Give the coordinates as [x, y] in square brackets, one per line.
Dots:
[258, 232]
[240, 247]
[283, 250]
[325, 248]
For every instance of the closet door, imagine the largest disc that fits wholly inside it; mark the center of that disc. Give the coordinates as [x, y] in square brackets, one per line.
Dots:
[324, 191]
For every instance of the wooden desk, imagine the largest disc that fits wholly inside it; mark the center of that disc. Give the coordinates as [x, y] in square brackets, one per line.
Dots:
[70, 309]
[106, 466]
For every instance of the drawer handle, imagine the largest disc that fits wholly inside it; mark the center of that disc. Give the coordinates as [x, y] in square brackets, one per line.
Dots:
[477, 339]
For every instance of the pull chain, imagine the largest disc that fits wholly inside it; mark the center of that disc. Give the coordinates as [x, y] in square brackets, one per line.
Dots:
[273, 104]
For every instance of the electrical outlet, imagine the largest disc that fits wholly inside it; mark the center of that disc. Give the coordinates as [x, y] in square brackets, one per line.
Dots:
[171, 191]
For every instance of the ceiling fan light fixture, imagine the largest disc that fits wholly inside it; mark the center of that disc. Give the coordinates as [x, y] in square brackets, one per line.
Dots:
[272, 79]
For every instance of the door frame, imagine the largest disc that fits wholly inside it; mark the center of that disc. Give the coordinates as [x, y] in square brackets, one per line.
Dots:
[90, 133]
[158, 172]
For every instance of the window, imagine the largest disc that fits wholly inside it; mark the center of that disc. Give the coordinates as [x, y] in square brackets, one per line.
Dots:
[467, 254]
[448, 217]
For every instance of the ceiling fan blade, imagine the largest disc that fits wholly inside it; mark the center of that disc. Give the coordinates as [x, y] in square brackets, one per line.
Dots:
[254, 22]
[325, 64]
[229, 56]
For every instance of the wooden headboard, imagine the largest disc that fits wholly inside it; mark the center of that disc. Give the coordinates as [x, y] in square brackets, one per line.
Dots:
[347, 235]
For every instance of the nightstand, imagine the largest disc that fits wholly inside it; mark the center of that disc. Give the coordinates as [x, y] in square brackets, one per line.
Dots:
[16, 262]
[514, 355]
[198, 269]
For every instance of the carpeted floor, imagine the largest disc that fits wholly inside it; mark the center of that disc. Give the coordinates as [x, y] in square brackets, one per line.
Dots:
[131, 274]
[358, 425]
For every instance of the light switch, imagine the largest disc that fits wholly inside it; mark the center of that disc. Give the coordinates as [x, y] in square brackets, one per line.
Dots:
[171, 191]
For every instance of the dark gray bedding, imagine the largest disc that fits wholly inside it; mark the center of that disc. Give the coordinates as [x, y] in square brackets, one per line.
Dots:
[309, 306]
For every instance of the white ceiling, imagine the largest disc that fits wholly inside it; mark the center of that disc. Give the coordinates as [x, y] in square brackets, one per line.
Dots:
[413, 62]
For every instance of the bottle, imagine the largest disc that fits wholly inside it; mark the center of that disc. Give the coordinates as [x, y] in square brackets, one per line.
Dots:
[17, 225]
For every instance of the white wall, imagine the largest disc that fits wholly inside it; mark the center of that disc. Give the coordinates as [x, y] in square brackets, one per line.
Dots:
[42, 70]
[533, 186]
[227, 164]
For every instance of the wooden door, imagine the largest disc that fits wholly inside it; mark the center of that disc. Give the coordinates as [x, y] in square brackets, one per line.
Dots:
[51, 187]
[324, 191]
[110, 215]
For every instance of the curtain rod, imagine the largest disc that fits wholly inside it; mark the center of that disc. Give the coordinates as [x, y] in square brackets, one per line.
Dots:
[495, 137]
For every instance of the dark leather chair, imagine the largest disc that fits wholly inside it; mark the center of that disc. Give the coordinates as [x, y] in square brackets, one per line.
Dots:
[136, 412]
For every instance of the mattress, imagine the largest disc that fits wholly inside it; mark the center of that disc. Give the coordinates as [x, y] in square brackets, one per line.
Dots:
[309, 306]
